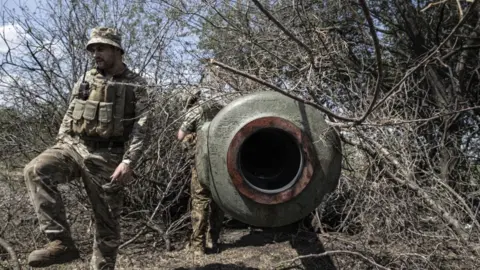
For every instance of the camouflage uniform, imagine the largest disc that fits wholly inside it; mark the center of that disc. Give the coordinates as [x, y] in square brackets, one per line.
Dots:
[90, 144]
[206, 216]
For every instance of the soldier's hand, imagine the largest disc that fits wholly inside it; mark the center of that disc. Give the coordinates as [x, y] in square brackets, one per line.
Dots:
[185, 145]
[122, 174]
[180, 135]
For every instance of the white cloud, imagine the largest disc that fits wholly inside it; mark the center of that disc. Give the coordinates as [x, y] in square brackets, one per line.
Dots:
[10, 37]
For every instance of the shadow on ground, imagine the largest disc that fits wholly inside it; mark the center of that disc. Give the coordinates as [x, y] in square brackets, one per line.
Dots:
[219, 266]
[301, 237]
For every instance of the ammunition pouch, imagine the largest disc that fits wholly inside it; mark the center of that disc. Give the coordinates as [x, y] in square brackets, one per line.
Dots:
[102, 118]
[104, 128]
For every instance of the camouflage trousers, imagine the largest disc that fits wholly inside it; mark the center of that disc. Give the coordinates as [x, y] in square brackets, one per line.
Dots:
[206, 216]
[65, 162]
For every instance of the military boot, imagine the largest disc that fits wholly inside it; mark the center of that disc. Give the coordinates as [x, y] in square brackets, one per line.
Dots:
[198, 252]
[55, 252]
[211, 244]
[195, 248]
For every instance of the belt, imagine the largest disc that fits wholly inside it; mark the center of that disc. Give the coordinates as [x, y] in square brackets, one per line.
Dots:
[102, 144]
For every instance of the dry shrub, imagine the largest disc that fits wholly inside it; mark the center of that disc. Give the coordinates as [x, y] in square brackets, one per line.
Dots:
[381, 204]
[160, 195]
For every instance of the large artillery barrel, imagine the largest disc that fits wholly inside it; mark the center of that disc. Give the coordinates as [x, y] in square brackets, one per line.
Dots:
[268, 159]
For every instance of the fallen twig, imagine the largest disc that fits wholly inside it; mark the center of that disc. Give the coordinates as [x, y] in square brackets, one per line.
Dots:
[11, 252]
[331, 252]
[161, 232]
[133, 238]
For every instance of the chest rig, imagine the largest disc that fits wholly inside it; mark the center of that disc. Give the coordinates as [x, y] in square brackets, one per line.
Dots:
[105, 112]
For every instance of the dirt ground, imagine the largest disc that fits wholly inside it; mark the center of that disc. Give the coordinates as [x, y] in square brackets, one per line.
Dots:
[241, 247]
[246, 249]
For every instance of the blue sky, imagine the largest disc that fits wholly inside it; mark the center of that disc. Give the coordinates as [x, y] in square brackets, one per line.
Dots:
[13, 4]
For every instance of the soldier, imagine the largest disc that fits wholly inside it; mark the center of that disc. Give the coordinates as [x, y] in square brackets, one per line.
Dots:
[100, 140]
[206, 216]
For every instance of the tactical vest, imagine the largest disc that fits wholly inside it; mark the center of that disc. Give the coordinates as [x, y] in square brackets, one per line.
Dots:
[109, 110]
[209, 110]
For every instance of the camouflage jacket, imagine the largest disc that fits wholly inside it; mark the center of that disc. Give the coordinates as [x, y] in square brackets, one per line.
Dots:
[199, 114]
[136, 132]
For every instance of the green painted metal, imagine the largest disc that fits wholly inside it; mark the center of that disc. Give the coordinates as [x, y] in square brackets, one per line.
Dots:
[215, 138]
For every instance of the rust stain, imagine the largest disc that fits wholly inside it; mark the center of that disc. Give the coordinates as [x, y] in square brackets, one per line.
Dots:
[237, 179]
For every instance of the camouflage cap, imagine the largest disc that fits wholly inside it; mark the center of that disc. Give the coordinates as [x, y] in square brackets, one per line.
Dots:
[187, 97]
[105, 35]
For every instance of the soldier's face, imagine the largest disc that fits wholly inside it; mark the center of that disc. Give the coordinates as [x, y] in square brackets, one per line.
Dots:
[105, 56]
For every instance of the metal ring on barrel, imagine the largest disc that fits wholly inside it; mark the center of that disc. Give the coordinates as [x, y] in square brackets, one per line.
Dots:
[305, 171]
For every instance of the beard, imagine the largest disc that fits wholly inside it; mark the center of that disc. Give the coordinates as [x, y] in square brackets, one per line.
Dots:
[103, 64]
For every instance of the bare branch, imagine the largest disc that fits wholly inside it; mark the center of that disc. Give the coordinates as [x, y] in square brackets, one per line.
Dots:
[378, 57]
[279, 25]
[279, 90]
[333, 252]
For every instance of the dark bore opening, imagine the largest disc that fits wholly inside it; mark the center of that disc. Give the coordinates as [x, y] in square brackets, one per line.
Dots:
[270, 160]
